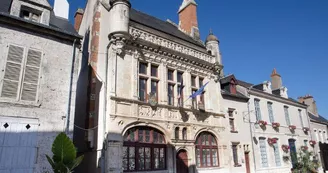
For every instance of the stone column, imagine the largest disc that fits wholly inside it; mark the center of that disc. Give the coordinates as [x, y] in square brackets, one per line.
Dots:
[134, 76]
[163, 82]
[187, 88]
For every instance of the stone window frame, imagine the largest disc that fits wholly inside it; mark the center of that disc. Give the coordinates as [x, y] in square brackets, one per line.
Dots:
[201, 98]
[263, 152]
[270, 112]
[137, 144]
[234, 149]
[257, 107]
[149, 79]
[287, 116]
[210, 146]
[232, 122]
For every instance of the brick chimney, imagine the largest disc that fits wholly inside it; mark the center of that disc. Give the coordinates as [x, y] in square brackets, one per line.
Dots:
[308, 100]
[276, 80]
[188, 18]
[78, 18]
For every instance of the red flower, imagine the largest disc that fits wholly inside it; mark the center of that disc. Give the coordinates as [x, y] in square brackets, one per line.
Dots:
[262, 123]
[285, 148]
[304, 148]
[312, 142]
[272, 141]
[275, 125]
[292, 127]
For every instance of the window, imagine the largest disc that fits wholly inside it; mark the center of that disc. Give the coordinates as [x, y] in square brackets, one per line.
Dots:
[180, 88]
[176, 133]
[170, 92]
[325, 136]
[206, 150]
[301, 118]
[306, 142]
[232, 124]
[235, 154]
[30, 14]
[316, 135]
[320, 136]
[170, 74]
[270, 112]
[264, 157]
[184, 133]
[154, 71]
[257, 109]
[142, 89]
[143, 68]
[194, 100]
[144, 78]
[22, 73]
[193, 81]
[276, 154]
[287, 116]
[201, 82]
[144, 149]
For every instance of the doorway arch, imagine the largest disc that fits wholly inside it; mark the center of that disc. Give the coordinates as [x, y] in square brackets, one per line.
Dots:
[182, 161]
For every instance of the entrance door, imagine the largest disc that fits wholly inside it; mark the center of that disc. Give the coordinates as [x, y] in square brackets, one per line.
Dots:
[182, 161]
[248, 170]
[293, 153]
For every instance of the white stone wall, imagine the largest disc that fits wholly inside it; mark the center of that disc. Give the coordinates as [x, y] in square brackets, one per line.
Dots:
[283, 134]
[243, 136]
[53, 92]
[315, 129]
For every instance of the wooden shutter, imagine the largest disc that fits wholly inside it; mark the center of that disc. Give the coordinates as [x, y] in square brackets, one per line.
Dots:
[12, 72]
[31, 75]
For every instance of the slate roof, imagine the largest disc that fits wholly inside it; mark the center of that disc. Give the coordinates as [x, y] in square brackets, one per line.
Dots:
[224, 92]
[275, 93]
[56, 23]
[319, 119]
[160, 25]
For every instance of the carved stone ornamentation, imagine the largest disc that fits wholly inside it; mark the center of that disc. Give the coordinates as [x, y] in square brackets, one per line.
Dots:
[144, 111]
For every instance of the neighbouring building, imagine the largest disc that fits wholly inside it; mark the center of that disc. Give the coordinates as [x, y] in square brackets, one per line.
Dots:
[38, 77]
[235, 105]
[136, 115]
[319, 131]
[279, 125]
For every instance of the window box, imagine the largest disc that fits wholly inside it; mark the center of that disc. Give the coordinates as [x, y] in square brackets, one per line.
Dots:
[272, 141]
[285, 148]
[292, 127]
[275, 125]
[304, 148]
[262, 123]
[306, 129]
[312, 142]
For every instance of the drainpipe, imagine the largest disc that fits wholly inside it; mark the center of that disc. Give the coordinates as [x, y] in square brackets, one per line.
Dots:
[250, 127]
[70, 89]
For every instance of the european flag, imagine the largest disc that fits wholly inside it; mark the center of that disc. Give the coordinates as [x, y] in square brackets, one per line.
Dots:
[199, 91]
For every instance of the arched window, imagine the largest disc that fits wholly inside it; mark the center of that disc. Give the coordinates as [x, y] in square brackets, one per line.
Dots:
[144, 149]
[176, 133]
[184, 133]
[206, 150]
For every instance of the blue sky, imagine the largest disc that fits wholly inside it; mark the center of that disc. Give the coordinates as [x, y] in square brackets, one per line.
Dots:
[257, 36]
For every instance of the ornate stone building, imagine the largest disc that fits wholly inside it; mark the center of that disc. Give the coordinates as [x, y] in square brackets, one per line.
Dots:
[139, 115]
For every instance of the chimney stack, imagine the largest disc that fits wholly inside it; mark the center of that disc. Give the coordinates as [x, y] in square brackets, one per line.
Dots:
[61, 8]
[188, 18]
[308, 100]
[78, 18]
[276, 80]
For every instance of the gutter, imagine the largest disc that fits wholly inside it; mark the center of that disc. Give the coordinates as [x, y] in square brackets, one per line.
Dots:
[250, 127]
[68, 114]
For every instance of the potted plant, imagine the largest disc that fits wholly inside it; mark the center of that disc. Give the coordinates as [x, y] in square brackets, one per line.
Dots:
[305, 163]
[262, 123]
[306, 129]
[292, 127]
[285, 148]
[64, 158]
[275, 125]
[304, 148]
[312, 142]
[272, 141]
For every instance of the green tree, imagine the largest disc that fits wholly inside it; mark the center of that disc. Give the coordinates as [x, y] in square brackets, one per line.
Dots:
[306, 163]
[64, 155]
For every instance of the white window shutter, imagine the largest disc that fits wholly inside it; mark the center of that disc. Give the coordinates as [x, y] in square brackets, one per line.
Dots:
[31, 75]
[12, 72]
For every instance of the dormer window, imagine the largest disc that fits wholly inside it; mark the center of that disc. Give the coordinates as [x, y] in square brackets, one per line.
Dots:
[30, 14]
